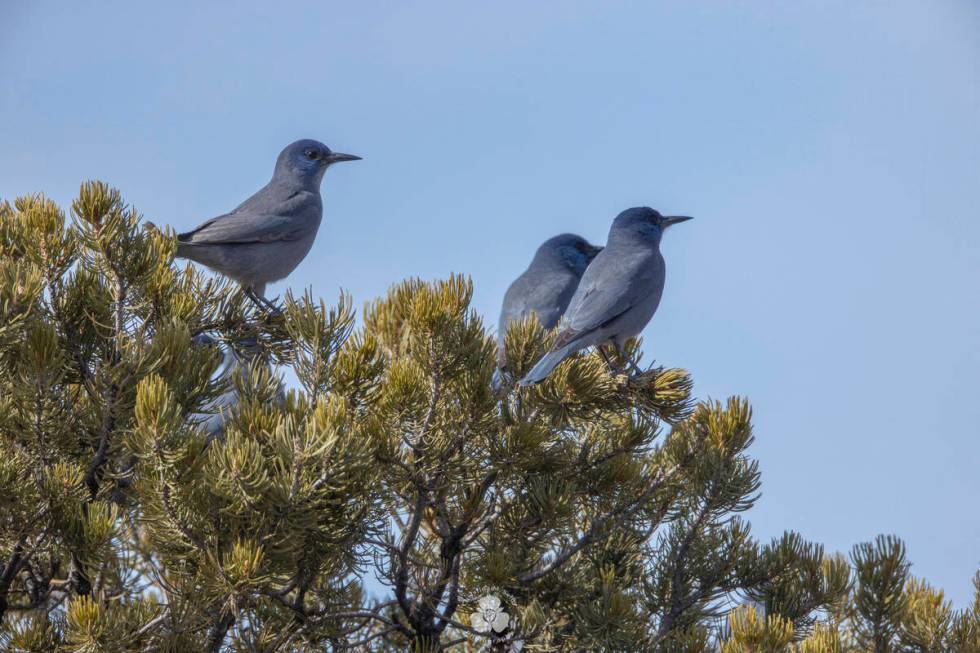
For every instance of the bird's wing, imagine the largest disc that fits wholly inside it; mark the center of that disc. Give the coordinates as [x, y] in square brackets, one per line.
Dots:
[611, 285]
[545, 296]
[268, 216]
[238, 228]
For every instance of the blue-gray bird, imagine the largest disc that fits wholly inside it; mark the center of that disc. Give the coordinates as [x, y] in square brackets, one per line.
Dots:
[545, 288]
[267, 236]
[218, 410]
[618, 293]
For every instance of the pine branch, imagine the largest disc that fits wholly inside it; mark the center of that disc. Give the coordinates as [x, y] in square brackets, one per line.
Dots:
[609, 518]
[10, 572]
[219, 631]
[408, 541]
[679, 604]
[358, 644]
[152, 623]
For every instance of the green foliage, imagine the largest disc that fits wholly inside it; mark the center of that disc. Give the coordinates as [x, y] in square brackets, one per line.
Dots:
[882, 571]
[752, 633]
[603, 510]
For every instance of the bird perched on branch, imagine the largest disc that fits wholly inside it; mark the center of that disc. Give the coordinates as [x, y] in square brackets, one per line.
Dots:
[266, 237]
[544, 289]
[618, 293]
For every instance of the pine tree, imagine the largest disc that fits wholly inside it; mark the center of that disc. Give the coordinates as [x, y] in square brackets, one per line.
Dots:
[600, 511]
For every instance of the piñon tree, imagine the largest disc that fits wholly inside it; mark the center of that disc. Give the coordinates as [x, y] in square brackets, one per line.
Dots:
[389, 501]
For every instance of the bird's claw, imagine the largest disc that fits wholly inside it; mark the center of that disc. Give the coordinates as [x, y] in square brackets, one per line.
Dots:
[615, 370]
[262, 302]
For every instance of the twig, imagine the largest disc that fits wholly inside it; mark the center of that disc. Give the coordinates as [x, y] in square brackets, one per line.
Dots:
[597, 524]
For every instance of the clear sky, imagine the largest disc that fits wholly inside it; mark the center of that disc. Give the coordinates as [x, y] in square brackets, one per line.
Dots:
[830, 152]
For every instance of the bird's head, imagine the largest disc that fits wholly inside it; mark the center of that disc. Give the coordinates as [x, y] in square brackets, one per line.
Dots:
[644, 221]
[573, 251]
[306, 161]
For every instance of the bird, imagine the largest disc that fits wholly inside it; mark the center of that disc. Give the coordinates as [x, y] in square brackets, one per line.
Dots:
[266, 237]
[544, 288]
[618, 293]
[218, 410]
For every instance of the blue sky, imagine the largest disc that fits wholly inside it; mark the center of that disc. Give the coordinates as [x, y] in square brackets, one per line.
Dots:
[830, 152]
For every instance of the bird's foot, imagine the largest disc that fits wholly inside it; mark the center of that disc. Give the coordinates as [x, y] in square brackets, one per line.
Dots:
[262, 302]
[629, 373]
[614, 369]
[630, 368]
[274, 308]
[645, 380]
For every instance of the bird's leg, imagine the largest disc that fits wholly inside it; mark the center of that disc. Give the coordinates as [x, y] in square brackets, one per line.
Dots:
[629, 362]
[272, 306]
[612, 368]
[252, 296]
[260, 301]
[602, 352]
[635, 372]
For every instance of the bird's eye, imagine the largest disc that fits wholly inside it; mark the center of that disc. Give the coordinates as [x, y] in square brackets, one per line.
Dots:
[313, 155]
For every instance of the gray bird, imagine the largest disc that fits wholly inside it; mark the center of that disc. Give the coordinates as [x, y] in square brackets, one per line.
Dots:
[618, 293]
[218, 410]
[267, 236]
[545, 288]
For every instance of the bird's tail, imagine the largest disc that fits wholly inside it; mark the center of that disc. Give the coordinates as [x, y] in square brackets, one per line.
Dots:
[548, 363]
[186, 250]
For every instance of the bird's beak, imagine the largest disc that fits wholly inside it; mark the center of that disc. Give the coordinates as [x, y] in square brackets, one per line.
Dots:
[336, 157]
[594, 251]
[674, 219]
